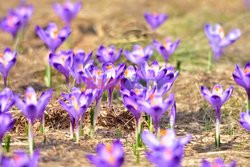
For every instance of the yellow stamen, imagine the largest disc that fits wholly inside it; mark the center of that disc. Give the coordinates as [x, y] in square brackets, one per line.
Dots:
[221, 32]
[109, 67]
[75, 103]
[247, 70]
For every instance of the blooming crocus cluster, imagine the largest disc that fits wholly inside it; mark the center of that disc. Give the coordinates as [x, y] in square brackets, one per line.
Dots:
[155, 19]
[139, 54]
[217, 162]
[242, 78]
[33, 109]
[218, 40]
[53, 37]
[16, 19]
[21, 159]
[76, 106]
[167, 151]
[217, 98]
[108, 155]
[167, 48]
[67, 11]
[7, 61]
[108, 54]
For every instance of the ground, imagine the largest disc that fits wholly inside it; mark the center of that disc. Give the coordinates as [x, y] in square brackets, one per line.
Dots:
[121, 23]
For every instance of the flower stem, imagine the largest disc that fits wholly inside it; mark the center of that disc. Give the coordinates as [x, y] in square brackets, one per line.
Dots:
[210, 61]
[77, 133]
[47, 76]
[217, 138]
[30, 137]
[43, 124]
[138, 134]
[150, 123]
[71, 131]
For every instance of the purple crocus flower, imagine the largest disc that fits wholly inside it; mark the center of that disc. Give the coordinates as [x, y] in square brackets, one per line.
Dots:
[217, 98]
[245, 120]
[217, 39]
[216, 163]
[131, 93]
[108, 155]
[25, 12]
[62, 62]
[7, 61]
[11, 23]
[6, 100]
[78, 102]
[108, 55]
[6, 124]
[167, 48]
[33, 109]
[21, 159]
[139, 54]
[67, 11]
[52, 37]
[96, 80]
[156, 75]
[242, 78]
[81, 60]
[130, 73]
[155, 106]
[114, 75]
[155, 19]
[166, 152]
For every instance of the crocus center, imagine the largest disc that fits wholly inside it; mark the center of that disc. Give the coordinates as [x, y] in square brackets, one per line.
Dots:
[167, 44]
[247, 70]
[79, 67]
[11, 21]
[109, 67]
[68, 6]
[154, 14]
[17, 158]
[31, 97]
[168, 154]
[140, 52]
[163, 132]
[217, 90]
[109, 150]
[152, 99]
[54, 33]
[221, 32]
[2, 59]
[214, 164]
[126, 73]
[74, 103]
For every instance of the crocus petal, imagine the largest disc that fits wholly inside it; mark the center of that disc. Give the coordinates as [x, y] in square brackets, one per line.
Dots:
[150, 140]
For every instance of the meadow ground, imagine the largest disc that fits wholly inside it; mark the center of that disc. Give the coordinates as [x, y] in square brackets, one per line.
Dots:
[121, 23]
